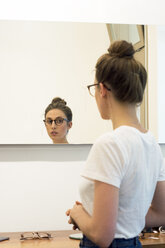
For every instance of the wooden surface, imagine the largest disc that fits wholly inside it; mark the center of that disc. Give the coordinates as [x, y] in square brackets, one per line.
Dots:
[149, 242]
[61, 240]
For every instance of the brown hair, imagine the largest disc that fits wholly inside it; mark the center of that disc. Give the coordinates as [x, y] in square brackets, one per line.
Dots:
[58, 103]
[119, 71]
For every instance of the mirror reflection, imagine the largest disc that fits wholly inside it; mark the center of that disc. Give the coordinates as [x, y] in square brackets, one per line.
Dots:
[125, 32]
[58, 120]
[130, 32]
[42, 60]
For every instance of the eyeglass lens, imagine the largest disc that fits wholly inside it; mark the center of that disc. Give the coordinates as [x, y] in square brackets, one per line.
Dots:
[92, 90]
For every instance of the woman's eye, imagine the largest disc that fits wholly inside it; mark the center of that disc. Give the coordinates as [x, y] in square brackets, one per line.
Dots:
[49, 122]
[59, 121]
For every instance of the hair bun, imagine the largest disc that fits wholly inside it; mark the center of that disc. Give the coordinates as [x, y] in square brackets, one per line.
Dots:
[121, 49]
[58, 100]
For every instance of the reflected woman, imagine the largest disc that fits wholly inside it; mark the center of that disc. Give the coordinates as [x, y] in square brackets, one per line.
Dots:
[58, 120]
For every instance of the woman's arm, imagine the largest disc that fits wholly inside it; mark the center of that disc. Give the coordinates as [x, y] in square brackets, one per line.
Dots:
[156, 213]
[100, 227]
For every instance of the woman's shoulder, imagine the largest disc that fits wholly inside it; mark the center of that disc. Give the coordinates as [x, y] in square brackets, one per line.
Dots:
[116, 134]
[108, 139]
[125, 135]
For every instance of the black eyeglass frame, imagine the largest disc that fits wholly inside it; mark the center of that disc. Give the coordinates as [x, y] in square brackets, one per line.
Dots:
[89, 86]
[55, 121]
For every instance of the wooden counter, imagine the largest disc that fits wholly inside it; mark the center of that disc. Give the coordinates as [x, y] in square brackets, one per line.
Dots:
[148, 242]
[61, 240]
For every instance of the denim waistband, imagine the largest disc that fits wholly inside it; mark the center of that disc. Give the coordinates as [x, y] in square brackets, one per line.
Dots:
[116, 243]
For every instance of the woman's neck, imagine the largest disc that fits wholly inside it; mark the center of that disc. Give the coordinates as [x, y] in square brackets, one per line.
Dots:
[62, 141]
[125, 115]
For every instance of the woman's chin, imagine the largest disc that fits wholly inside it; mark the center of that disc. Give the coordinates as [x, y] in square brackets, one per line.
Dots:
[105, 117]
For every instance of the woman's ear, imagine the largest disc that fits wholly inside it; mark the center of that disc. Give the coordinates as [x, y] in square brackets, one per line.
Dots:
[103, 90]
[69, 124]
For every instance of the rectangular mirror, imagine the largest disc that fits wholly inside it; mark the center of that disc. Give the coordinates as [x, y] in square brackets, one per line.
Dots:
[42, 60]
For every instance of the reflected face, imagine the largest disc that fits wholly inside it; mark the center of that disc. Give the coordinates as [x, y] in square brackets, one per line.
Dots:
[58, 129]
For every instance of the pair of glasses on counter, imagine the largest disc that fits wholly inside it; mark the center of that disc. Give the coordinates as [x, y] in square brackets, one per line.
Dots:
[152, 233]
[35, 235]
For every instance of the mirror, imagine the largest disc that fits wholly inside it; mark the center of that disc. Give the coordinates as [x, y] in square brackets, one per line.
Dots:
[136, 35]
[130, 32]
[40, 61]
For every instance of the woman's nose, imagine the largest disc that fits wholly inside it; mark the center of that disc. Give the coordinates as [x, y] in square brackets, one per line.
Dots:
[53, 125]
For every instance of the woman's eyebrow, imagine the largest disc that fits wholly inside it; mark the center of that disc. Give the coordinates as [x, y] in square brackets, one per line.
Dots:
[55, 118]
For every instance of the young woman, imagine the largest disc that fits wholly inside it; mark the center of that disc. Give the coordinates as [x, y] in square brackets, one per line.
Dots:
[123, 184]
[58, 120]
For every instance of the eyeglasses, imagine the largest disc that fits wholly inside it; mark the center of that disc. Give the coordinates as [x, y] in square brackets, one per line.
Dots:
[149, 235]
[35, 235]
[58, 121]
[91, 89]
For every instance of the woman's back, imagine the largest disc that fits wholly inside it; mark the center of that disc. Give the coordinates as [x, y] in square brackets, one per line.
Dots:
[125, 158]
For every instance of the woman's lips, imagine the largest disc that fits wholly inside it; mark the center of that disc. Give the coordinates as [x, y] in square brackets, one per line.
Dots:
[54, 133]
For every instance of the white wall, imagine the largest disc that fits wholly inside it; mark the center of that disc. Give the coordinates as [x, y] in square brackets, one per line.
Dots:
[161, 83]
[152, 80]
[38, 183]
[36, 195]
[156, 80]
[118, 11]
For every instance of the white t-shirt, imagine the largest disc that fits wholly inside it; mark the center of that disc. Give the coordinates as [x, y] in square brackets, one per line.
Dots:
[132, 161]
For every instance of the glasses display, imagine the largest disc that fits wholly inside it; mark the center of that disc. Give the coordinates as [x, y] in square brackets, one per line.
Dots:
[152, 232]
[35, 235]
[58, 121]
[149, 235]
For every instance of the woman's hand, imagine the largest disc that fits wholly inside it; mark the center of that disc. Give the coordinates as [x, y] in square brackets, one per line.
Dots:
[71, 212]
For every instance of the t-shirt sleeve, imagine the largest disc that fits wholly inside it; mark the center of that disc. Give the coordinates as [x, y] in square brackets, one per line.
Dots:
[162, 171]
[106, 162]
